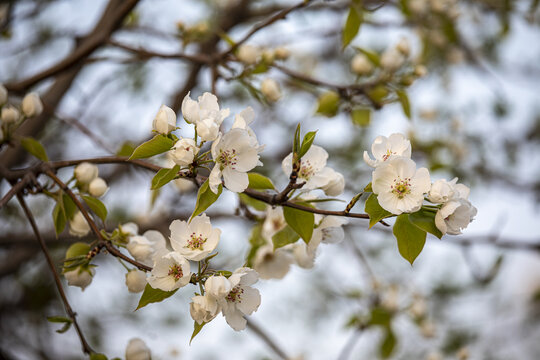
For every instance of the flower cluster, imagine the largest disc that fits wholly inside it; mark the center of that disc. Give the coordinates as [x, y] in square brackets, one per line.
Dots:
[12, 116]
[402, 188]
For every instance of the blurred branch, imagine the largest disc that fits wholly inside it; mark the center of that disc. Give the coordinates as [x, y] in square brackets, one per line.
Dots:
[144, 54]
[266, 338]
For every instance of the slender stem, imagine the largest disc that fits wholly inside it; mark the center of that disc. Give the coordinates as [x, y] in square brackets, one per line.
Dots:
[72, 315]
[349, 345]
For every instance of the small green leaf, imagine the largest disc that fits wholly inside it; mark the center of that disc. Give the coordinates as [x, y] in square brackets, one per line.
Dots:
[378, 93]
[404, 101]
[368, 188]
[64, 328]
[157, 145]
[380, 316]
[68, 206]
[164, 176]
[425, 220]
[96, 356]
[296, 140]
[361, 117]
[151, 295]
[205, 198]
[374, 210]
[372, 56]
[307, 142]
[196, 329]
[58, 319]
[77, 254]
[126, 149]
[352, 26]
[59, 219]
[410, 238]
[388, 344]
[300, 221]
[328, 104]
[35, 148]
[96, 206]
[284, 237]
[260, 182]
[254, 203]
[260, 68]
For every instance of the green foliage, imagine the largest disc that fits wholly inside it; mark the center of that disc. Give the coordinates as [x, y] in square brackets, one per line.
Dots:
[96, 356]
[405, 103]
[300, 221]
[374, 210]
[151, 295]
[361, 117]
[371, 55]
[157, 145]
[63, 211]
[205, 198]
[388, 344]
[254, 203]
[164, 176]
[260, 182]
[96, 206]
[196, 329]
[126, 149]
[61, 320]
[352, 25]
[328, 104]
[284, 237]
[410, 238]
[35, 148]
[296, 140]
[306, 143]
[425, 220]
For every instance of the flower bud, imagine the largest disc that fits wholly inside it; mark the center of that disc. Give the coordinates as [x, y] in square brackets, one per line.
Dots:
[98, 187]
[361, 65]
[140, 248]
[137, 350]
[78, 226]
[217, 286]
[129, 229]
[86, 172]
[165, 120]
[136, 281]
[420, 70]
[10, 114]
[184, 151]
[403, 46]
[3, 95]
[81, 276]
[203, 308]
[248, 54]
[270, 89]
[282, 53]
[32, 105]
[392, 59]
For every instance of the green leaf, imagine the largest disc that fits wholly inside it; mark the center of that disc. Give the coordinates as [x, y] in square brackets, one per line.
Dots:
[284, 237]
[151, 295]
[425, 220]
[361, 117]
[378, 93]
[260, 182]
[404, 101]
[254, 203]
[68, 206]
[157, 145]
[388, 344]
[374, 210]
[260, 68]
[64, 328]
[205, 198]
[307, 142]
[59, 219]
[58, 319]
[368, 188]
[96, 356]
[77, 253]
[352, 26]
[164, 176]
[96, 206]
[296, 140]
[328, 104]
[300, 221]
[196, 329]
[35, 148]
[126, 149]
[410, 238]
[256, 240]
[372, 56]
[380, 316]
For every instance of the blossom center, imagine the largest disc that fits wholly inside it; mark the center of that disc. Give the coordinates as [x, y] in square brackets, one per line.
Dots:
[306, 170]
[388, 154]
[227, 157]
[176, 272]
[401, 187]
[235, 295]
[196, 242]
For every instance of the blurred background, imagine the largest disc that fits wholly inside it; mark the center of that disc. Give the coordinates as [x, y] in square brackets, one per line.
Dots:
[466, 94]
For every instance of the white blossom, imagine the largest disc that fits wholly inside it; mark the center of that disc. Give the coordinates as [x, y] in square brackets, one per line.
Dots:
[10, 114]
[282, 53]
[270, 89]
[3, 95]
[217, 286]
[273, 222]
[98, 187]
[455, 216]
[144, 248]
[403, 46]
[242, 299]
[361, 65]
[248, 54]
[137, 350]
[203, 308]
[335, 182]
[270, 263]
[195, 240]
[135, 281]
[81, 276]
[400, 186]
[234, 153]
[32, 105]
[171, 271]
[165, 120]
[205, 114]
[86, 172]
[78, 226]
[129, 229]
[385, 148]
[420, 70]
[184, 151]
[392, 59]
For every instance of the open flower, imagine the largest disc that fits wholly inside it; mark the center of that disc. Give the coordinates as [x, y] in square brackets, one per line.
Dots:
[171, 271]
[205, 114]
[235, 153]
[195, 240]
[184, 151]
[242, 121]
[455, 216]
[203, 308]
[400, 186]
[145, 248]
[384, 148]
[242, 299]
[270, 263]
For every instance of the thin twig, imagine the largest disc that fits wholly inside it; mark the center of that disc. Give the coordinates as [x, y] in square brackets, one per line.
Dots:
[349, 345]
[266, 338]
[72, 315]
